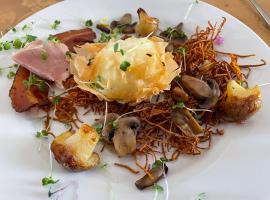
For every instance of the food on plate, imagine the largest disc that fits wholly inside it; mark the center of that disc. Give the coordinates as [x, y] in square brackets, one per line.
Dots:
[75, 38]
[159, 94]
[75, 151]
[141, 66]
[47, 60]
[241, 103]
[23, 98]
[146, 25]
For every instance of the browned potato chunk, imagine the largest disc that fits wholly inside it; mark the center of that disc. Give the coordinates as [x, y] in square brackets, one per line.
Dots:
[241, 103]
[75, 151]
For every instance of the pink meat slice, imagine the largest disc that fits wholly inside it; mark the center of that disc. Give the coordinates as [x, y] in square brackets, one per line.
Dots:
[54, 68]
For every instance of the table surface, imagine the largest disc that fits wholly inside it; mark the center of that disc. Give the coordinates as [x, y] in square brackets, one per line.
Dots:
[12, 12]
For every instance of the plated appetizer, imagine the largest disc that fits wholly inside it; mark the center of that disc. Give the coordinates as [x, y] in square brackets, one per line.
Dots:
[158, 93]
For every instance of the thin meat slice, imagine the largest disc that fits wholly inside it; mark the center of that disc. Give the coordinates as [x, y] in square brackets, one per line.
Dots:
[45, 59]
[76, 37]
[22, 99]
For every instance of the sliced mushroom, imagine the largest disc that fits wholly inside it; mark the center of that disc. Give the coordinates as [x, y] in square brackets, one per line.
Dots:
[129, 28]
[179, 94]
[146, 24]
[125, 19]
[157, 174]
[124, 139]
[199, 88]
[213, 99]
[109, 130]
[75, 151]
[185, 121]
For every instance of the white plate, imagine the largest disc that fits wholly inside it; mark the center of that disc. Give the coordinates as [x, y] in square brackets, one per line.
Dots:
[236, 167]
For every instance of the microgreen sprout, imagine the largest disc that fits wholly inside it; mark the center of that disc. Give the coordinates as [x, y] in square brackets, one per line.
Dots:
[55, 24]
[104, 37]
[88, 23]
[48, 181]
[42, 134]
[124, 65]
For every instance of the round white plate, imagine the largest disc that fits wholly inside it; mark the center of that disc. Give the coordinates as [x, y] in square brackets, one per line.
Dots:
[235, 168]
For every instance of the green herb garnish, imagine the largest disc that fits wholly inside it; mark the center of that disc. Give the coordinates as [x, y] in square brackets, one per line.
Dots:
[158, 188]
[42, 134]
[179, 104]
[88, 23]
[14, 30]
[34, 80]
[6, 45]
[44, 55]
[53, 39]
[124, 65]
[11, 75]
[48, 180]
[56, 100]
[68, 54]
[178, 78]
[17, 43]
[55, 24]
[90, 61]
[26, 27]
[30, 38]
[201, 196]
[159, 162]
[104, 166]
[98, 128]
[182, 50]
[116, 49]
[104, 37]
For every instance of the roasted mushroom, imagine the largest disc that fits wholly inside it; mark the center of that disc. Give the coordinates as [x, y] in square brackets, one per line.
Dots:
[124, 24]
[124, 139]
[199, 88]
[103, 28]
[146, 24]
[75, 151]
[213, 99]
[185, 121]
[241, 103]
[179, 94]
[156, 174]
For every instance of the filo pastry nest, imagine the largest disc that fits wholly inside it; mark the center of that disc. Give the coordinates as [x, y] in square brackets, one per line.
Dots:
[96, 68]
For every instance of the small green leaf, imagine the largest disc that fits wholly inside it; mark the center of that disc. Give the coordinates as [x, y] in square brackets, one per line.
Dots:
[98, 128]
[48, 180]
[88, 23]
[68, 54]
[30, 38]
[11, 75]
[56, 100]
[178, 78]
[124, 65]
[182, 50]
[201, 196]
[6, 45]
[179, 104]
[44, 55]
[114, 124]
[26, 27]
[104, 166]
[158, 188]
[14, 30]
[122, 52]
[42, 134]
[157, 164]
[53, 39]
[17, 43]
[115, 47]
[55, 24]
[104, 37]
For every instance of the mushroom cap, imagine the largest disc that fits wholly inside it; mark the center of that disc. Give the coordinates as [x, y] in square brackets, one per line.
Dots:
[199, 88]
[157, 174]
[124, 139]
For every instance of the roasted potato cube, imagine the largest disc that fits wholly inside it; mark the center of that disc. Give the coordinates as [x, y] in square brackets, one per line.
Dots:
[75, 151]
[241, 103]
